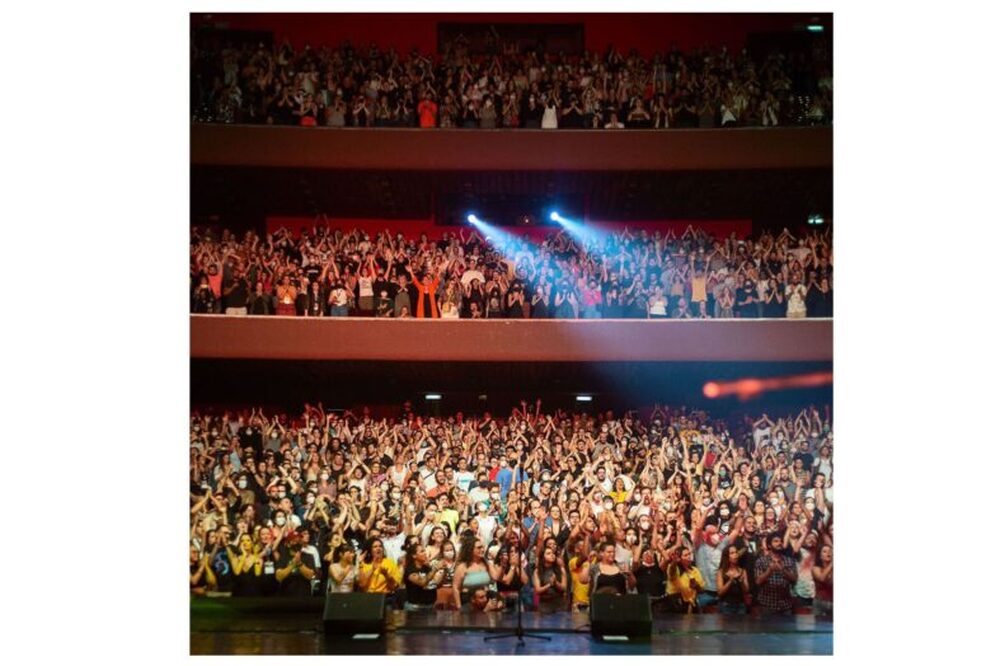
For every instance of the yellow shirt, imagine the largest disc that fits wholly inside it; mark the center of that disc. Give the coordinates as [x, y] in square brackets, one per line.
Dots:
[698, 291]
[679, 582]
[378, 581]
[581, 591]
[451, 517]
[618, 495]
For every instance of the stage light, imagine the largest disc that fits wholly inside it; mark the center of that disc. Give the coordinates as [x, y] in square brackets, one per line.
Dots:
[814, 28]
[584, 398]
[472, 219]
[432, 396]
[751, 387]
[554, 216]
[815, 220]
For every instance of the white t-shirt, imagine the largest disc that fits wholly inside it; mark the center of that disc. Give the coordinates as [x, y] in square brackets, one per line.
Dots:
[796, 294]
[472, 274]
[427, 478]
[397, 477]
[487, 526]
[365, 287]
[339, 297]
[549, 118]
[464, 479]
[479, 494]
[394, 546]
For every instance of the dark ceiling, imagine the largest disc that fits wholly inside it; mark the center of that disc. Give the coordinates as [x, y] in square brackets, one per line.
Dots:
[614, 385]
[245, 195]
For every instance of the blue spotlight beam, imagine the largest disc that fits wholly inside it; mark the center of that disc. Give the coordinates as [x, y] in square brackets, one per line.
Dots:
[582, 233]
[501, 240]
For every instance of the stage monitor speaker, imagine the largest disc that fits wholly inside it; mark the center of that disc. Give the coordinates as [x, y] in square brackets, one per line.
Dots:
[353, 613]
[620, 615]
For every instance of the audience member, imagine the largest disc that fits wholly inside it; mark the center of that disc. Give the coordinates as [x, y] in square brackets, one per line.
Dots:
[625, 274]
[470, 513]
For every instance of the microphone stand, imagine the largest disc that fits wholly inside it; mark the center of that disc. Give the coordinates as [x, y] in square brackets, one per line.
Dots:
[519, 632]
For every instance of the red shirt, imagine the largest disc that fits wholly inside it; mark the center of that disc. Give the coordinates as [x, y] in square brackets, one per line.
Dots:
[215, 282]
[428, 113]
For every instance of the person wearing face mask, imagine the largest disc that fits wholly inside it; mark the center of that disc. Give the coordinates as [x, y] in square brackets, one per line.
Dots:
[486, 519]
[710, 544]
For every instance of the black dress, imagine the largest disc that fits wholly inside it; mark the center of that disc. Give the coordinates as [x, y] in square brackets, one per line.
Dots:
[650, 580]
[247, 584]
[603, 581]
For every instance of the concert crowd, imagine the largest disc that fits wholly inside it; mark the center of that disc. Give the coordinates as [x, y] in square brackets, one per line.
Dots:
[471, 513]
[626, 274]
[509, 87]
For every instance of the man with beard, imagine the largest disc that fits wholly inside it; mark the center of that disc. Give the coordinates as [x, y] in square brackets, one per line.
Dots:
[775, 572]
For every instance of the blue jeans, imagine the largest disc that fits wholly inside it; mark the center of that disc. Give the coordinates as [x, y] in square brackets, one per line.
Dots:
[706, 599]
[732, 608]
[338, 310]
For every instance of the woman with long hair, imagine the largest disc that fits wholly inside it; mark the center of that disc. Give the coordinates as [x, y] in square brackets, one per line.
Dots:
[286, 294]
[378, 573]
[418, 576]
[550, 581]
[732, 583]
[510, 575]
[684, 582]
[560, 527]
[248, 566]
[343, 570]
[434, 542]
[822, 573]
[471, 572]
[447, 561]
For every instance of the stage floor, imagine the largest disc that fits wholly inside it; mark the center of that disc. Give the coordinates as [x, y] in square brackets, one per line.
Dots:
[442, 632]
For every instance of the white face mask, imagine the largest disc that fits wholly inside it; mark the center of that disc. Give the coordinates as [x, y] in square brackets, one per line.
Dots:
[242, 483]
[324, 477]
[282, 494]
[279, 521]
[608, 506]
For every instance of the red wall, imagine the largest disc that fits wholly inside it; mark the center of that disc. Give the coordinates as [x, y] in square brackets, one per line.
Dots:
[511, 340]
[646, 32]
[413, 228]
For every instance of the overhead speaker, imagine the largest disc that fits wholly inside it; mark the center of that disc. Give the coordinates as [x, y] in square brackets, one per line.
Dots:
[353, 613]
[620, 615]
